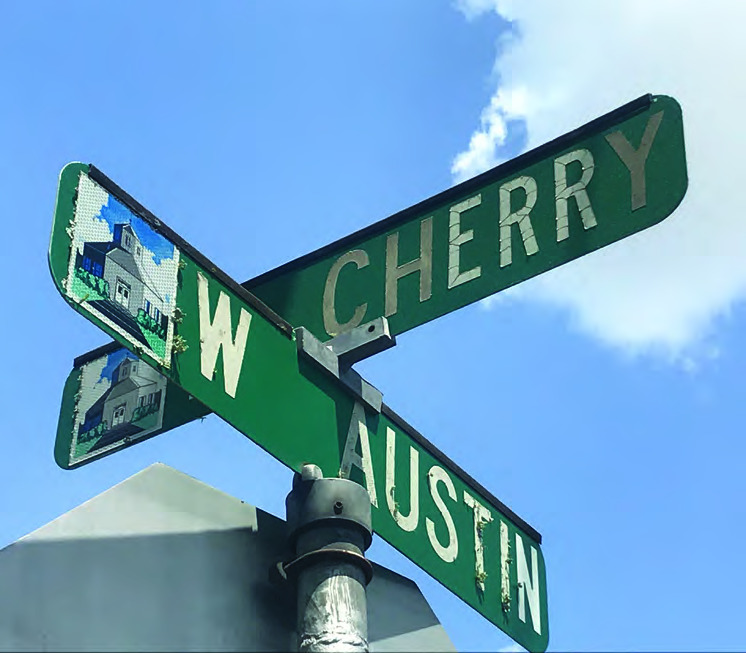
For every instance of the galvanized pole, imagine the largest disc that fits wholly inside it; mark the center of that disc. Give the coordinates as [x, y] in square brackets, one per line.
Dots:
[330, 528]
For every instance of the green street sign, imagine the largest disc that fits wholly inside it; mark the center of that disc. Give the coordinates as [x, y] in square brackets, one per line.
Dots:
[124, 270]
[607, 180]
[617, 175]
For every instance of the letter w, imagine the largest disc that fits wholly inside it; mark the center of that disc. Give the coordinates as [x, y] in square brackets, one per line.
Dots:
[217, 333]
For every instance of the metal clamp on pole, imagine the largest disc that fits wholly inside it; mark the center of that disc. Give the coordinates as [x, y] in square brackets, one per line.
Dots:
[330, 529]
[338, 354]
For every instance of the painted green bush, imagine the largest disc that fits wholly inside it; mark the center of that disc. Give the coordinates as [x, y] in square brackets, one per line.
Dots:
[147, 322]
[143, 411]
[93, 433]
[97, 284]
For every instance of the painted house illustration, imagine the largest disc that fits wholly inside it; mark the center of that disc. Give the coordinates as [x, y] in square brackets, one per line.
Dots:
[132, 294]
[136, 391]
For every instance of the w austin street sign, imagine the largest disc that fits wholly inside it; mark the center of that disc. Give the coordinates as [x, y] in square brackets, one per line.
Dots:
[123, 269]
[607, 180]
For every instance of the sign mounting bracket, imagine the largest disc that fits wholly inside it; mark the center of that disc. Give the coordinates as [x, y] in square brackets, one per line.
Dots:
[338, 355]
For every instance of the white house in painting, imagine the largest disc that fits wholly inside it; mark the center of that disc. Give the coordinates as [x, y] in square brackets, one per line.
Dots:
[121, 263]
[136, 389]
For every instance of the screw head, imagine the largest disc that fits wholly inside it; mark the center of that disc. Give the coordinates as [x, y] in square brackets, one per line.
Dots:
[338, 507]
[311, 472]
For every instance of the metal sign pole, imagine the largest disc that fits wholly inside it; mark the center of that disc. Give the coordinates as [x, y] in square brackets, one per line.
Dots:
[330, 528]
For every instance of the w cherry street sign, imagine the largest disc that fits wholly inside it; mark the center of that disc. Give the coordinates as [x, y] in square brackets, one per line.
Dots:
[607, 180]
[123, 269]
[602, 182]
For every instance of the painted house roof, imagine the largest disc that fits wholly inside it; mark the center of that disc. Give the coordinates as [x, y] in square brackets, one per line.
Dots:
[127, 261]
[98, 405]
[102, 248]
[113, 251]
[118, 389]
[128, 385]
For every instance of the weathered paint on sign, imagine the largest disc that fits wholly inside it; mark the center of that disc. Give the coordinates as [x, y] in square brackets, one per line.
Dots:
[615, 176]
[232, 354]
[104, 410]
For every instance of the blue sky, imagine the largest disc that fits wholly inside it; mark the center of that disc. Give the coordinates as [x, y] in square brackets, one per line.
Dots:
[603, 402]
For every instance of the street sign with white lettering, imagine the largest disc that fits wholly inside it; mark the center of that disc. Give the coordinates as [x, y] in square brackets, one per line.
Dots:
[607, 180]
[124, 270]
[617, 175]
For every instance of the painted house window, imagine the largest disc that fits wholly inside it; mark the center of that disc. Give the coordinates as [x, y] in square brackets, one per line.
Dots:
[118, 416]
[141, 401]
[147, 306]
[156, 313]
[98, 269]
[127, 241]
[87, 263]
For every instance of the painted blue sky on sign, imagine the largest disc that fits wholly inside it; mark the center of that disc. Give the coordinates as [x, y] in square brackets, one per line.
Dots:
[603, 403]
[114, 212]
[113, 360]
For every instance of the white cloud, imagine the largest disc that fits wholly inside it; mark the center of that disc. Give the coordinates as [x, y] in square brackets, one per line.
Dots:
[505, 105]
[663, 289]
[473, 8]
